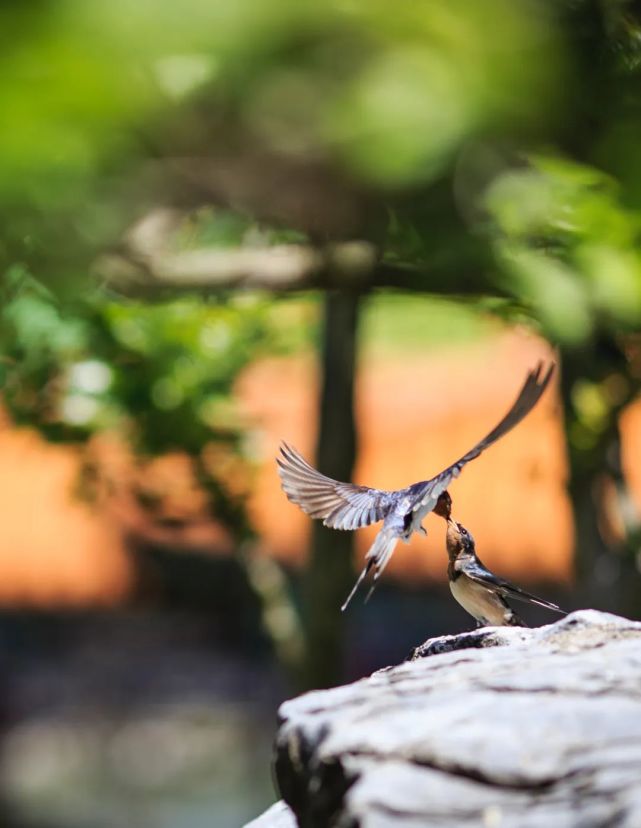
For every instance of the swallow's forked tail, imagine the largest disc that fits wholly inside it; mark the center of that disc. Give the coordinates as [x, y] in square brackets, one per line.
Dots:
[377, 557]
[518, 594]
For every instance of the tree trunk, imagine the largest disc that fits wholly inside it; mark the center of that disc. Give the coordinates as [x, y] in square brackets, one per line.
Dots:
[606, 573]
[330, 571]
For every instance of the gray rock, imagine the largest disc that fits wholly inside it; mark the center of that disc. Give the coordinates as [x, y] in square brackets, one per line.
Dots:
[500, 728]
[278, 816]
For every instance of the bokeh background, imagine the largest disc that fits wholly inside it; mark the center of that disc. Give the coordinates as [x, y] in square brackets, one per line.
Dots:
[351, 225]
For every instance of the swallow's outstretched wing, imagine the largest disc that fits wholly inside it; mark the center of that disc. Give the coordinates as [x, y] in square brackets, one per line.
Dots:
[427, 492]
[340, 505]
[475, 571]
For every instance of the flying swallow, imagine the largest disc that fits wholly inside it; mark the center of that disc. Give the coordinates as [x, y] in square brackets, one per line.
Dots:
[347, 506]
[479, 591]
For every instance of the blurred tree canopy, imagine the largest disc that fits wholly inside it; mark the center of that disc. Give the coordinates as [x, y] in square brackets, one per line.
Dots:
[491, 148]
[158, 155]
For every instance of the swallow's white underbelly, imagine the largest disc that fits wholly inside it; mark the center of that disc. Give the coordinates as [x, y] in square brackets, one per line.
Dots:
[419, 514]
[480, 602]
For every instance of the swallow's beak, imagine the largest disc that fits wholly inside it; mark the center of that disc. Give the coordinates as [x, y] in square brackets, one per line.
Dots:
[453, 536]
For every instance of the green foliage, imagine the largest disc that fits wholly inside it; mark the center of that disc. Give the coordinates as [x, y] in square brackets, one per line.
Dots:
[435, 76]
[389, 93]
[161, 372]
[569, 247]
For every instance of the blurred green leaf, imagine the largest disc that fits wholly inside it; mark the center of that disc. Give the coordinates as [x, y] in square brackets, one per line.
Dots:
[553, 291]
[570, 246]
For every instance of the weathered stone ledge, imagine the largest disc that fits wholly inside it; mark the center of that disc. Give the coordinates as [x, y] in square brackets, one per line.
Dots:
[501, 727]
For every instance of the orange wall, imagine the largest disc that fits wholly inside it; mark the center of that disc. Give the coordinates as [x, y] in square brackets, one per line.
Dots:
[415, 415]
[53, 549]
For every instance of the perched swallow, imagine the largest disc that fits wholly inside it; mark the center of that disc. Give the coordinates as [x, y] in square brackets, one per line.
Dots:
[347, 506]
[477, 590]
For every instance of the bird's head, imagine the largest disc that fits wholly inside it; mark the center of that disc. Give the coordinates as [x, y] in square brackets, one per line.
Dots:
[443, 506]
[459, 540]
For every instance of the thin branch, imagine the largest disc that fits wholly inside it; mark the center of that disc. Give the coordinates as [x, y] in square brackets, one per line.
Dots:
[145, 264]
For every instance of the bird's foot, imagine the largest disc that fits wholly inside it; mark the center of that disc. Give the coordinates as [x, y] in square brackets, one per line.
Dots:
[422, 530]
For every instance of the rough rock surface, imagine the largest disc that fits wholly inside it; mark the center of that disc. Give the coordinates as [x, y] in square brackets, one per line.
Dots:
[278, 816]
[501, 728]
